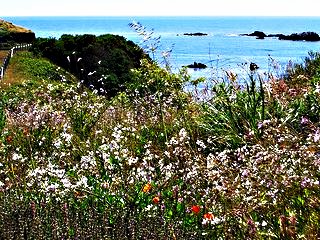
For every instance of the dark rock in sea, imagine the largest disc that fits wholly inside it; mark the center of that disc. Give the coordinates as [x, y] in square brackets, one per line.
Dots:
[195, 34]
[277, 35]
[197, 65]
[253, 66]
[304, 36]
[257, 34]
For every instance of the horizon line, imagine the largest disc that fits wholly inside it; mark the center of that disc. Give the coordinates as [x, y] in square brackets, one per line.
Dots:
[197, 16]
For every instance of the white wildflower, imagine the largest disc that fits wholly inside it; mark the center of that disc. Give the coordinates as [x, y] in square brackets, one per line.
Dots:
[183, 135]
[201, 144]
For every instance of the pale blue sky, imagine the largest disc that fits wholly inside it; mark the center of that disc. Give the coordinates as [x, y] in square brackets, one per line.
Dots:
[159, 8]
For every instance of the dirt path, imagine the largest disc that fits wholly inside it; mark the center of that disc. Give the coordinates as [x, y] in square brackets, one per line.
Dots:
[11, 76]
[3, 54]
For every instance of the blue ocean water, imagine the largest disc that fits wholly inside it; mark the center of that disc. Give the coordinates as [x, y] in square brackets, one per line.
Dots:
[222, 48]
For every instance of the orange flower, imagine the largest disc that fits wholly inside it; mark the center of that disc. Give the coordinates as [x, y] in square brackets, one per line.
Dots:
[78, 194]
[208, 216]
[147, 188]
[195, 209]
[156, 200]
[26, 131]
[9, 139]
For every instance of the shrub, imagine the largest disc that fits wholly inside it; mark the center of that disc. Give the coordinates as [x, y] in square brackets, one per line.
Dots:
[103, 63]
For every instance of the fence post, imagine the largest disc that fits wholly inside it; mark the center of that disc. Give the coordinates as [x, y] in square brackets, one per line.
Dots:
[1, 73]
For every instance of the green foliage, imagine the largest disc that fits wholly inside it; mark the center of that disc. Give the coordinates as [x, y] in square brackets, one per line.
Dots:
[309, 69]
[12, 38]
[4, 35]
[234, 114]
[150, 78]
[307, 106]
[2, 115]
[37, 68]
[103, 63]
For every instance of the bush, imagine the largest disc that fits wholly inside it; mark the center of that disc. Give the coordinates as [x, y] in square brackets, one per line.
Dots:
[103, 63]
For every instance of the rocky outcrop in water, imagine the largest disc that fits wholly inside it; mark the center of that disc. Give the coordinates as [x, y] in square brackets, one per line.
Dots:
[257, 34]
[197, 65]
[304, 36]
[195, 34]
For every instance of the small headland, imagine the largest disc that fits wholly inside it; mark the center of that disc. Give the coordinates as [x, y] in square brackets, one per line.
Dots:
[13, 33]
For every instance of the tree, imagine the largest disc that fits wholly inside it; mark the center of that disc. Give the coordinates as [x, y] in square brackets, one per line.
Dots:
[103, 63]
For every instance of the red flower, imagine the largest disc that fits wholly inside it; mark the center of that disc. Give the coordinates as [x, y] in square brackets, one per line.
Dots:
[208, 216]
[195, 209]
[156, 200]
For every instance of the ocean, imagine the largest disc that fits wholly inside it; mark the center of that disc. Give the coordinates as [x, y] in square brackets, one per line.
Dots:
[222, 49]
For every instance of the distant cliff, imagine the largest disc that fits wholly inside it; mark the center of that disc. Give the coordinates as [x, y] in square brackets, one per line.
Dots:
[12, 33]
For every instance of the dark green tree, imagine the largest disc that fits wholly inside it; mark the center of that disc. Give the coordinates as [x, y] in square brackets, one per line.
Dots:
[101, 62]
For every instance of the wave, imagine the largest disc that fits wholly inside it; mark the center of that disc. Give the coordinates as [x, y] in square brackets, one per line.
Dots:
[232, 35]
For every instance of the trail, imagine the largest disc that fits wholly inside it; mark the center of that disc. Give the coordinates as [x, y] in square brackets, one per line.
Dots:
[11, 77]
[3, 54]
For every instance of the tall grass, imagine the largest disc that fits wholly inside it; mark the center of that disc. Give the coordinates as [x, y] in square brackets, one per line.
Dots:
[152, 163]
[235, 113]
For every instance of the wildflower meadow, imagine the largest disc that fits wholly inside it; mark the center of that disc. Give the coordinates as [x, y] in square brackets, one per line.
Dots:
[229, 158]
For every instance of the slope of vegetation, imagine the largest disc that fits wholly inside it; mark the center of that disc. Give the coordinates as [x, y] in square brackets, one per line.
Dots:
[152, 163]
